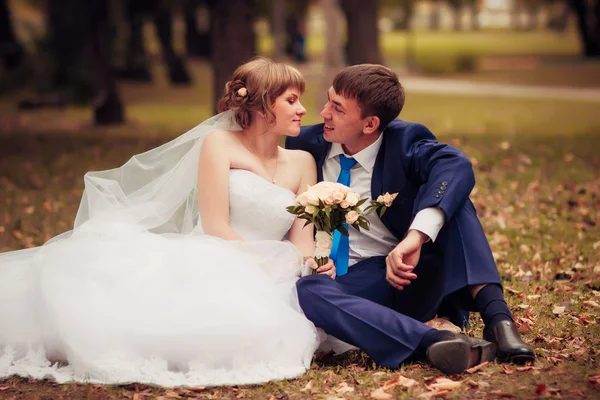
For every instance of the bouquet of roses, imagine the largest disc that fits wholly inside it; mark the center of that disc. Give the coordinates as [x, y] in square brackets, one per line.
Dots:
[329, 206]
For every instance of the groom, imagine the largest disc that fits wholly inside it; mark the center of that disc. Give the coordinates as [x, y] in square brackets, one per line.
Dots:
[426, 255]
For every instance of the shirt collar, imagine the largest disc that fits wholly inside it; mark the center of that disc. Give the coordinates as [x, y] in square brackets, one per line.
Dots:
[366, 157]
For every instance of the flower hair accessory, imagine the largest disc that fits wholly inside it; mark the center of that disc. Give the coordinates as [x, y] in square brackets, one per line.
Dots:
[242, 92]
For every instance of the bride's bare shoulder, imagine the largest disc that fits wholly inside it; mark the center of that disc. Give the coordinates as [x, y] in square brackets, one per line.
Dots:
[300, 159]
[221, 138]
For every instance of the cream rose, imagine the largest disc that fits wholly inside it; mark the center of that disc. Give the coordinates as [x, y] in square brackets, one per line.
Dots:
[338, 195]
[352, 199]
[388, 199]
[313, 210]
[344, 204]
[351, 217]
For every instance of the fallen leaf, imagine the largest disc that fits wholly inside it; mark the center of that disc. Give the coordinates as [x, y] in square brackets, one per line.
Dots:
[399, 381]
[507, 370]
[308, 386]
[344, 388]
[138, 396]
[541, 388]
[594, 379]
[558, 310]
[444, 384]
[433, 393]
[380, 394]
[443, 324]
[476, 368]
[591, 303]
[4, 387]
[172, 395]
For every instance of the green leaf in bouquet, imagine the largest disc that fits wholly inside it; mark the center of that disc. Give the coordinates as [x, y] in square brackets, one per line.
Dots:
[363, 223]
[361, 202]
[382, 211]
[291, 209]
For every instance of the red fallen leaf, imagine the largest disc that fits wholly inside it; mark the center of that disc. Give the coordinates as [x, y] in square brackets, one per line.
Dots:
[380, 394]
[472, 384]
[172, 395]
[399, 381]
[46, 206]
[507, 370]
[594, 379]
[577, 392]
[591, 303]
[541, 388]
[476, 368]
[138, 396]
[4, 387]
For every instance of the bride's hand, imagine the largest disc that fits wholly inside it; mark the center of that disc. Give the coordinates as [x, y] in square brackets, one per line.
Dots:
[327, 269]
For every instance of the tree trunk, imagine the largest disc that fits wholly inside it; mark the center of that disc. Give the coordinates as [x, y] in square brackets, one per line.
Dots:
[137, 66]
[435, 17]
[278, 28]
[363, 33]
[588, 21]
[456, 6]
[408, 7]
[108, 108]
[11, 51]
[163, 20]
[195, 42]
[233, 39]
[474, 9]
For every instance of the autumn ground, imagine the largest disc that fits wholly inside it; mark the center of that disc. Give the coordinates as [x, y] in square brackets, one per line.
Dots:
[537, 164]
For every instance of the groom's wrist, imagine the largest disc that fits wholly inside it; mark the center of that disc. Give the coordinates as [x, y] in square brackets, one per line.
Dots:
[418, 236]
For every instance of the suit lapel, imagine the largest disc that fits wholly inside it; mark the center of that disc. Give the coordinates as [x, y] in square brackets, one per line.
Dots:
[321, 155]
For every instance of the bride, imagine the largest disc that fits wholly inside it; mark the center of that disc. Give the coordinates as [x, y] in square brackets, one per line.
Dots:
[181, 266]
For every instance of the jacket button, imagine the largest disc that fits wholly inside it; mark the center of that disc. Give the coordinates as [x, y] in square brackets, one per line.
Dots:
[444, 183]
[437, 196]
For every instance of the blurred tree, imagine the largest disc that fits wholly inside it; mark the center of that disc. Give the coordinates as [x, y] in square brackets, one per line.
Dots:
[296, 13]
[75, 64]
[457, 9]
[588, 23]
[435, 17]
[363, 32]
[233, 39]
[197, 40]
[558, 14]
[79, 41]
[531, 9]
[12, 53]
[136, 64]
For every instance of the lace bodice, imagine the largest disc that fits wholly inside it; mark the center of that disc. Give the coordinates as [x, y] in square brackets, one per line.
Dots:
[257, 207]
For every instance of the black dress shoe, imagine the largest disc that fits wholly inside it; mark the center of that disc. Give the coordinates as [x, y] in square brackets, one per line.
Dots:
[509, 345]
[454, 356]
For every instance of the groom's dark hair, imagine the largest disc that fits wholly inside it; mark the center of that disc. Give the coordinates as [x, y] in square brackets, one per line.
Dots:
[375, 88]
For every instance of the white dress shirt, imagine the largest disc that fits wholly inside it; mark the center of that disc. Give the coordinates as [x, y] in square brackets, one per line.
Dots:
[378, 240]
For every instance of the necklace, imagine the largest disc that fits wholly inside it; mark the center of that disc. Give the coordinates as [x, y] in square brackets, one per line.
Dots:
[273, 180]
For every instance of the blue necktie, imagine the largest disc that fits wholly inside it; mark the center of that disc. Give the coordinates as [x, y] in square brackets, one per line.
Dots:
[340, 248]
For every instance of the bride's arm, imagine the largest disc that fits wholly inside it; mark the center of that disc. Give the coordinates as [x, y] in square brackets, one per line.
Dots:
[213, 186]
[303, 237]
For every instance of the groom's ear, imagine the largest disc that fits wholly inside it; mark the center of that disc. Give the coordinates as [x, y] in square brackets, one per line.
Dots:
[371, 125]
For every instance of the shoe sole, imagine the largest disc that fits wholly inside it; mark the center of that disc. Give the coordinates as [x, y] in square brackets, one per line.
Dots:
[517, 359]
[455, 356]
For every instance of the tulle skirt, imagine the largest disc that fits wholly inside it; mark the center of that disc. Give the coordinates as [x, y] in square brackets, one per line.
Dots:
[113, 303]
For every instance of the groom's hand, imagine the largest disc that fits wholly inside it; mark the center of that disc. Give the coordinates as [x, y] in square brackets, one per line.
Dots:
[327, 269]
[404, 258]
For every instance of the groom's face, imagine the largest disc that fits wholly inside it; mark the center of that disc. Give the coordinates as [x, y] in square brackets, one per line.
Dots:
[342, 117]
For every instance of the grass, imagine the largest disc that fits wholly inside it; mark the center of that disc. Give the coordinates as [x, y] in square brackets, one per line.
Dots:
[537, 166]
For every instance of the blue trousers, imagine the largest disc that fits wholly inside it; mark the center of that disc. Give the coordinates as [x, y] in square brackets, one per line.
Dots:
[358, 308]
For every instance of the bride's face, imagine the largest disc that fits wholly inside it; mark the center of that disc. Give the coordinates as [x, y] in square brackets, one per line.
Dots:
[288, 113]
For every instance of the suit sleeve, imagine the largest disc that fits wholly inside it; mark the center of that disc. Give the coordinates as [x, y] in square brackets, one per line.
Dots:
[444, 174]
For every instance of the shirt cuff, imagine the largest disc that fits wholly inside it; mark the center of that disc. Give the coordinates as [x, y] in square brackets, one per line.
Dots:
[429, 221]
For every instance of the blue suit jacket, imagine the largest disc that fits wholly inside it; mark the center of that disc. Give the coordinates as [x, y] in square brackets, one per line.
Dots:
[425, 173]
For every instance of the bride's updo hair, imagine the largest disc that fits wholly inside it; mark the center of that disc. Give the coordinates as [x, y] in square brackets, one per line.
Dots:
[255, 86]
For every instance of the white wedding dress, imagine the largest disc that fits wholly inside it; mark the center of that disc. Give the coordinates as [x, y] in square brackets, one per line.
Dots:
[121, 303]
